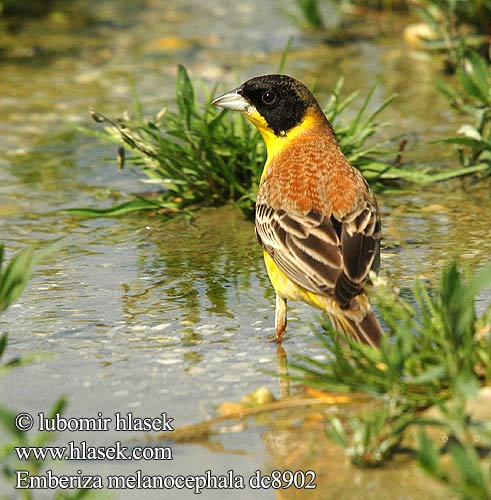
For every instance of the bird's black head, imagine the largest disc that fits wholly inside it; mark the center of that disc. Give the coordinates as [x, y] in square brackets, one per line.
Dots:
[280, 100]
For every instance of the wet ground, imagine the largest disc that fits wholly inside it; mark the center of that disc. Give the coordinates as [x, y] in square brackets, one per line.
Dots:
[150, 317]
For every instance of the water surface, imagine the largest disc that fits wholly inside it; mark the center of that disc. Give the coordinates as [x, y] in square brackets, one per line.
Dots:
[148, 316]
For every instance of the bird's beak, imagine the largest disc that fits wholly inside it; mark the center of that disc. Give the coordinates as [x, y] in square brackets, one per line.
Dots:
[232, 100]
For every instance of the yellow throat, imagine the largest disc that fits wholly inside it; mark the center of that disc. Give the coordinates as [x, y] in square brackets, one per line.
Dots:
[275, 143]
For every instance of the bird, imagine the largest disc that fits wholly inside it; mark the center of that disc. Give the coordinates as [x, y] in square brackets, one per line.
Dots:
[316, 217]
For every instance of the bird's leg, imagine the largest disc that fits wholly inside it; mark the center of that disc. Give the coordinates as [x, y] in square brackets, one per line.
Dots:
[282, 367]
[280, 317]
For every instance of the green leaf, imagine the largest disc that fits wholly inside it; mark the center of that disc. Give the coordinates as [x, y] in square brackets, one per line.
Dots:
[7, 420]
[42, 438]
[123, 208]
[481, 281]
[466, 141]
[284, 55]
[460, 172]
[335, 431]
[184, 94]
[26, 359]
[470, 131]
[482, 75]
[311, 12]
[471, 87]
[468, 467]
[451, 94]
[429, 376]
[15, 277]
[429, 456]
[3, 343]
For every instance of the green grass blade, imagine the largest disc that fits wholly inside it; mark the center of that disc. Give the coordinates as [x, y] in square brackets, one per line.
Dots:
[115, 210]
[284, 55]
[15, 277]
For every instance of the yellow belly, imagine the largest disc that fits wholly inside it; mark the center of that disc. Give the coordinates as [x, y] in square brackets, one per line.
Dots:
[289, 290]
[345, 320]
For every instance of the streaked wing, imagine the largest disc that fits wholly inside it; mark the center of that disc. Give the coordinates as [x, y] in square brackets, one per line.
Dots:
[305, 247]
[320, 253]
[360, 244]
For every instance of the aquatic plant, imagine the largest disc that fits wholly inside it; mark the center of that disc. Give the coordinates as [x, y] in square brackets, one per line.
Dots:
[437, 351]
[198, 155]
[457, 26]
[472, 99]
[13, 279]
[306, 14]
[430, 374]
[15, 276]
[17, 438]
[454, 27]
[26, 8]
[468, 471]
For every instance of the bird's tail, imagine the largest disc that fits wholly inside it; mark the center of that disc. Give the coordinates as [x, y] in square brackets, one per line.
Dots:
[361, 325]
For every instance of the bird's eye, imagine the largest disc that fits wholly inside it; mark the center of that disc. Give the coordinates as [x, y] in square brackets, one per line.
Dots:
[269, 97]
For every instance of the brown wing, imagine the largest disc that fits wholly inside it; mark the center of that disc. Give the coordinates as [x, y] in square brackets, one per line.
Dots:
[321, 253]
[360, 246]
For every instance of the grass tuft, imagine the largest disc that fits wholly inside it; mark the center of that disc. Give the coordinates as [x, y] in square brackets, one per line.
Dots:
[199, 156]
[196, 155]
[437, 353]
[15, 275]
[473, 100]
[458, 26]
[13, 279]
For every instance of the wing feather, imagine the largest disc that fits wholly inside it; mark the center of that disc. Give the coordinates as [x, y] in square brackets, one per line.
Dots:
[323, 254]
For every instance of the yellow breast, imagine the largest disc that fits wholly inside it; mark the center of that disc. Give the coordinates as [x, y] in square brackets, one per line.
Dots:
[289, 290]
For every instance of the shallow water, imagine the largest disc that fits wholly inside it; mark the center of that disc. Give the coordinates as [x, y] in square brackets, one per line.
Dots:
[146, 316]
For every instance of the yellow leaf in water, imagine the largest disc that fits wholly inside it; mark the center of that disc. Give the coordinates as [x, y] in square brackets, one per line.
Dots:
[230, 408]
[435, 207]
[260, 396]
[416, 34]
[167, 43]
[327, 398]
[9, 209]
